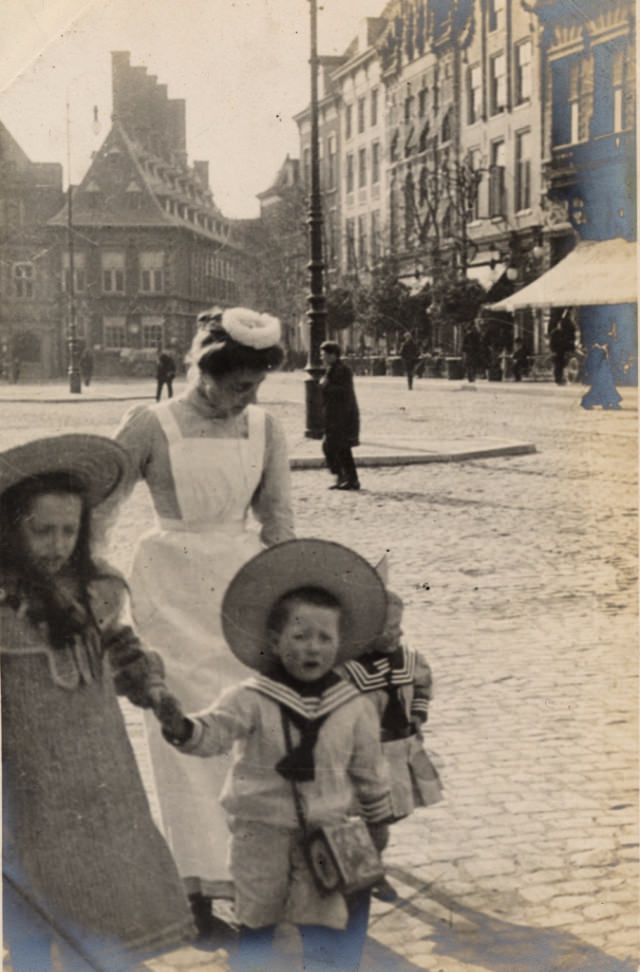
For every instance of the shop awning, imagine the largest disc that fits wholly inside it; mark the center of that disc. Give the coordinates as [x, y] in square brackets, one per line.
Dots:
[595, 272]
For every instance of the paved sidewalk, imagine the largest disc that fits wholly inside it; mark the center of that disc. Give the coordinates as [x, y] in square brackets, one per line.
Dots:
[386, 450]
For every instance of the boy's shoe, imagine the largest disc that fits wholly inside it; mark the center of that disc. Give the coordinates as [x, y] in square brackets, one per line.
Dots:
[384, 891]
[354, 485]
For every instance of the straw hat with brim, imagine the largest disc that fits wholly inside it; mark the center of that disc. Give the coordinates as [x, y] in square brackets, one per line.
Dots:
[96, 461]
[279, 570]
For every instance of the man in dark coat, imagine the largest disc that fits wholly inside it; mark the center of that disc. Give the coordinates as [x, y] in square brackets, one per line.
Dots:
[471, 350]
[410, 356]
[561, 344]
[165, 373]
[341, 417]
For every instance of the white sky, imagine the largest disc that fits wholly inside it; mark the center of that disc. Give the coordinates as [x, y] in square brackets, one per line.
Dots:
[241, 66]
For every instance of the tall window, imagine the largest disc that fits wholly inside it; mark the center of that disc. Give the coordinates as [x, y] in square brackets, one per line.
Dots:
[422, 102]
[474, 92]
[496, 14]
[575, 85]
[350, 228]
[23, 280]
[475, 164]
[152, 332]
[497, 194]
[152, 272]
[348, 121]
[523, 72]
[350, 173]
[523, 170]
[113, 272]
[498, 82]
[375, 235]
[361, 112]
[79, 275]
[375, 163]
[332, 170]
[362, 240]
[114, 333]
[362, 168]
[374, 107]
[306, 166]
[617, 85]
[608, 112]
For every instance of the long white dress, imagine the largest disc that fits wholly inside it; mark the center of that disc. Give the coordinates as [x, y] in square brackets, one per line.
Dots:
[179, 574]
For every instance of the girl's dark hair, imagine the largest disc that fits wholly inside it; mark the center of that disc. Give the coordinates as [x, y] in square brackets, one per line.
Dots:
[316, 596]
[227, 355]
[15, 504]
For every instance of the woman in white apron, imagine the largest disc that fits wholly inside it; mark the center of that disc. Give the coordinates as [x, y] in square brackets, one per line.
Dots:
[208, 457]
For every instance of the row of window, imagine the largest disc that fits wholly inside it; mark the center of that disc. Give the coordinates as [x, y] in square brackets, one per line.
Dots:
[496, 203]
[152, 279]
[361, 160]
[589, 94]
[362, 115]
[116, 334]
[363, 240]
[498, 82]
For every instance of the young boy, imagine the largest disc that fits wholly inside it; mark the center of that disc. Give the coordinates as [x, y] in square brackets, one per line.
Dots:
[398, 681]
[293, 613]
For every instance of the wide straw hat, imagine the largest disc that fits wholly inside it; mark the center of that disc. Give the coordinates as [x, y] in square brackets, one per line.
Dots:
[100, 463]
[277, 571]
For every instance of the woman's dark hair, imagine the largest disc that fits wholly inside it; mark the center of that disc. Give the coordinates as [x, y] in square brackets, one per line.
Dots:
[15, 504]
[227, 355]
[281, 610]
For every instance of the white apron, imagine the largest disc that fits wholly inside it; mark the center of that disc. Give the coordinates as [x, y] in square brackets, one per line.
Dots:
[179, 575]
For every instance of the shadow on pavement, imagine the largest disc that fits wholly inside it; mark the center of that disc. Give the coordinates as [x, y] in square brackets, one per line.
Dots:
[501, 946]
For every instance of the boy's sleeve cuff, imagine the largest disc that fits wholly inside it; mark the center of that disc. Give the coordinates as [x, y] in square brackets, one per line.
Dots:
[379, 810]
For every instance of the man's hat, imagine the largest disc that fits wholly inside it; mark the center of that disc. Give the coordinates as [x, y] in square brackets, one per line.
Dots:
[99, 463]
[288, 566]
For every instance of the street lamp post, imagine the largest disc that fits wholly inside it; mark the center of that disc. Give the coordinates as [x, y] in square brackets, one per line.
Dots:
[75, 382]
[317, 314]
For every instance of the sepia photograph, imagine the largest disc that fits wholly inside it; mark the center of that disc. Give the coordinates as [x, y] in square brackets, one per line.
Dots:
[255, 255]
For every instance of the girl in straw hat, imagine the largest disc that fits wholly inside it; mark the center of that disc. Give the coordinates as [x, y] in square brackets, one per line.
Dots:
[83, 863]
[209, 457]
[304, 742]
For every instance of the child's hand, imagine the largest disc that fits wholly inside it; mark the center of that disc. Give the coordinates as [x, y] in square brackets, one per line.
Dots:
[172, 719]
[379, 833]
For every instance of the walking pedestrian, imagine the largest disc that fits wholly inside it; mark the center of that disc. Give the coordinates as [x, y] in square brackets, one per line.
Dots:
[410, 354]
[597, 371]
[341, 418]
[209, 458]
[471, 348]
[86, 366]
[83, 862]
[561, 343]
[165, 373]
[306, 746]
[519, 360]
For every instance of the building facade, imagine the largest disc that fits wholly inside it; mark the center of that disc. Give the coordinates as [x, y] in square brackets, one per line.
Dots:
[30, 194]
[148, 244]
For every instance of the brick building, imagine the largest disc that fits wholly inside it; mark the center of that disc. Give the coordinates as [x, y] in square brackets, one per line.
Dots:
[150, 246]
[30, 193]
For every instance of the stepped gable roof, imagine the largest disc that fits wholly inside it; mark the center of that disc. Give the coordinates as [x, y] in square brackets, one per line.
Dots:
[131, 187]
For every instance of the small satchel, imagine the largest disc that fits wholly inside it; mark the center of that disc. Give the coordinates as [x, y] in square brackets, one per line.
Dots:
[341, 856]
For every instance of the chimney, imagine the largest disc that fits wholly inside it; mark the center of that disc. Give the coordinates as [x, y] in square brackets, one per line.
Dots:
[177, 128]
[119, 81]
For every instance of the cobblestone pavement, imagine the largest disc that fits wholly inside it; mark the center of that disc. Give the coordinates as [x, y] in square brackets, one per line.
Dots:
[519, 577]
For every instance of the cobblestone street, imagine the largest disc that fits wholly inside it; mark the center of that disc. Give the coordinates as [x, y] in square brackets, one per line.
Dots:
[519, 579]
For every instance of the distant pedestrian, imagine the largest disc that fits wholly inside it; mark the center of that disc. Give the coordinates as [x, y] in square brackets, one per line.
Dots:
[471, 350]
[410, 354]
[86, 366]
[598, 372]
[165, 373]
[341, 418]
[16, 367]
[519, 360]
[561, 343]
